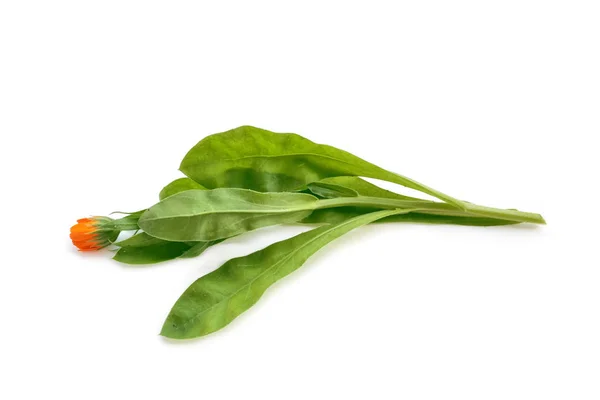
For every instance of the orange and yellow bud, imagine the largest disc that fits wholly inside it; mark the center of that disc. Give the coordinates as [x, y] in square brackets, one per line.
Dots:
[90, 234]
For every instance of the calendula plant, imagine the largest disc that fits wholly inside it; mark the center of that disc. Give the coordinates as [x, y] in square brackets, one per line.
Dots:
[249, 178]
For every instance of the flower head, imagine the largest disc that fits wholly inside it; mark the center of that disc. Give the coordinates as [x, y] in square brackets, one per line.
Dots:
[94, 233]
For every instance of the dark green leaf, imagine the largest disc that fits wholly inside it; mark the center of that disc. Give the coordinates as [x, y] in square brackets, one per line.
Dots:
[145, 249]
[253, 158]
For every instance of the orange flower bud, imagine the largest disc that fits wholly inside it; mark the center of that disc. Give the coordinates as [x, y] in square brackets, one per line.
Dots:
[94, 233]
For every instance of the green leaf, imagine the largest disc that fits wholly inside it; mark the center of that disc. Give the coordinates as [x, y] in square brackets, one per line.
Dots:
[253, 158]
[179, 185]
[145, 249]
[205, 215]
[216, 299]
[151, 251]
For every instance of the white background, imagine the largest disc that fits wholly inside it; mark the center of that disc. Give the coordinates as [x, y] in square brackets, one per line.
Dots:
[493, 102]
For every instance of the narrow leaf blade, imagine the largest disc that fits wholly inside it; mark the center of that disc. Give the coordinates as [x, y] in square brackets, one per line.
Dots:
[216, 299]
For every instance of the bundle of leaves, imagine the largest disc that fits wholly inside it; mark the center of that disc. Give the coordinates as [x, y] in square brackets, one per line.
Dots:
[249, 178]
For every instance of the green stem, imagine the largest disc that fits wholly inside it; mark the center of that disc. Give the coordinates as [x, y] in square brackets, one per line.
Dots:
[512, 215]
[432, 208]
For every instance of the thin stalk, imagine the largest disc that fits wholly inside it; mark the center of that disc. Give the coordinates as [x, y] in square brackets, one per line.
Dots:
[432, 207]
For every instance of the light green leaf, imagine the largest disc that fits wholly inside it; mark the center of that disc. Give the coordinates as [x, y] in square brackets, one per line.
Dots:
[205, 215]
[351, 186]
[328, 187]
[216, 299]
